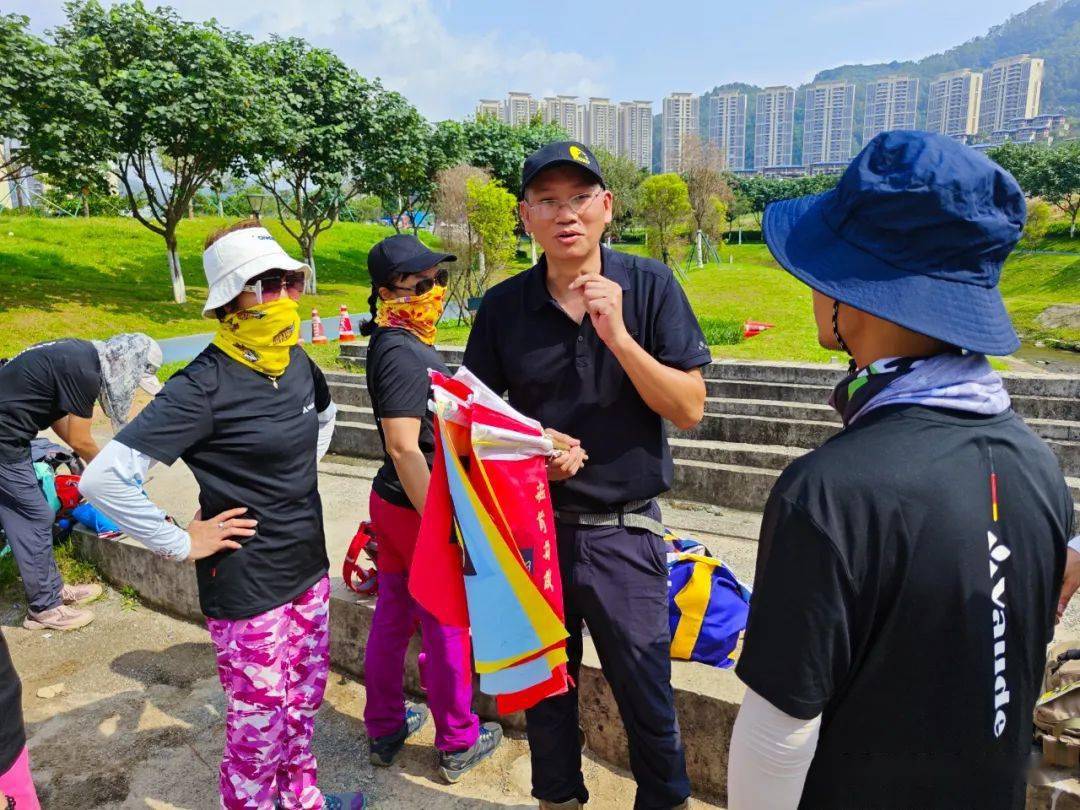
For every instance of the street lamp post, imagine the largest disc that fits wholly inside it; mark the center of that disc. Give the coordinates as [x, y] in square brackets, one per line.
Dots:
[255, 202]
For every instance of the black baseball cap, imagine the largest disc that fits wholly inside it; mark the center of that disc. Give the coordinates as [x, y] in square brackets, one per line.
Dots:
[559, 153]
[402, 253]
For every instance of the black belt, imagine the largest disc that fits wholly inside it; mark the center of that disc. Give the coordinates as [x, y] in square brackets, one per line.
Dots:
[628, 515]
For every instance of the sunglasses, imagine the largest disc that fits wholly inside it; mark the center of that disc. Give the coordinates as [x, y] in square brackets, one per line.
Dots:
[269, 287]
[426, 285]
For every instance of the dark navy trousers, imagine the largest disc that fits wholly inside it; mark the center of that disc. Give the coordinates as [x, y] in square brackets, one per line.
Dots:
[615, 581]
[27, 518]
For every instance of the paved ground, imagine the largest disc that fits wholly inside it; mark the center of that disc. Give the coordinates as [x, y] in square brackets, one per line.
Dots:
[139, 725]
[140, 721]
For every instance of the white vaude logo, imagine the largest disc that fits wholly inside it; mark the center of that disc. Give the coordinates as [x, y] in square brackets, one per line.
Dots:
[309, 407]
[999, 553]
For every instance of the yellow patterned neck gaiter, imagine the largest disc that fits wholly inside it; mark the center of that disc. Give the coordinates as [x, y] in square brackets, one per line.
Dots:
[260, 337]
[418, 314]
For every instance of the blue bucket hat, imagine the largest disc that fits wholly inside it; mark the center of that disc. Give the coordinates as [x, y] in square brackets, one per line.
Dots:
[916, 233]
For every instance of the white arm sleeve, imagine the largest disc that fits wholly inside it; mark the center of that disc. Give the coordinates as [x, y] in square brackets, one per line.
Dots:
[770, 755]
[1074, 544]
[327, 419]
[113, 482]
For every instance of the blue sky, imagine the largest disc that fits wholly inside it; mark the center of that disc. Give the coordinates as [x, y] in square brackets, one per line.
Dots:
[446, 54]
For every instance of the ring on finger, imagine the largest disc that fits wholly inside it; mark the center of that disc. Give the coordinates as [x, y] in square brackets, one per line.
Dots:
[221, 525]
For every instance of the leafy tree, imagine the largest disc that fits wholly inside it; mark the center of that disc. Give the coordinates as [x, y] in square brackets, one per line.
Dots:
[665, 209]
[183, 104]
[454, 227]
[44, 100]
[703, 171]
[501, 149]
[1050, 173]
[308, 161]
[1022, 161]
[492, 216]
[1038, 222]
[401, 159]
[623, 179]
[1060, 181]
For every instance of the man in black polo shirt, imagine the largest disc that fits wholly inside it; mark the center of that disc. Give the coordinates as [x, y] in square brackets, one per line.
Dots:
[908, 569]
[601, 347]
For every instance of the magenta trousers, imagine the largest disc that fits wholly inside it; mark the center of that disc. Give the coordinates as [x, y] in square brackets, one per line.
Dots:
[15, 783]
[448, 652]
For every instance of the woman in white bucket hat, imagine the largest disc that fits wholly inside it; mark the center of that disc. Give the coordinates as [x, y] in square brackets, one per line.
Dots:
[250, 416]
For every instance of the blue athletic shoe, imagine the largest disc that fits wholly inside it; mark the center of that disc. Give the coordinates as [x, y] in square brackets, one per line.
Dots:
[454, 764]
[383, 750]
[344, 801]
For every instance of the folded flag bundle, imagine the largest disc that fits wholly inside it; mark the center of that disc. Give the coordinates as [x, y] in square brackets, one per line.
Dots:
[498, 573]
[707, 605]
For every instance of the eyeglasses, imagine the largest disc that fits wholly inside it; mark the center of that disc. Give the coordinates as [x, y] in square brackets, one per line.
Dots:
[270, 287]
[549, 209]
[425, 285]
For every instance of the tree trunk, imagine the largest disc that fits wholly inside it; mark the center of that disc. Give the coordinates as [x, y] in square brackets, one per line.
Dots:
[86, 206]
[220, 208]
[191, 208]
[309, 260]
[1072, 227]
[532, 248]
[700, 263]
[179, 291]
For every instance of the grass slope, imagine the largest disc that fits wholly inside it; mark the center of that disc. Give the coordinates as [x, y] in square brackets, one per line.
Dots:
[93, 278]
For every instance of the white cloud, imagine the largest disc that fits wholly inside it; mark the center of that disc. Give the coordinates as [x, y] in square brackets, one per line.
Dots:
[410, 48]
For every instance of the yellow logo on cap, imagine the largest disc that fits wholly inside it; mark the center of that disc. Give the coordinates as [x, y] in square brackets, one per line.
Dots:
[579, 155]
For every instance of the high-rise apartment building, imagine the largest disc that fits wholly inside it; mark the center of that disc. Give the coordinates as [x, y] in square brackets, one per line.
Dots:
[1011, 90]
[681, 119]
[890, 104]
[602, 125]
[953, 105]
[489, 108]
[828, 121]
[774, 127]
[520, 108]
[727, 127]
[567, 112]
[635, 122]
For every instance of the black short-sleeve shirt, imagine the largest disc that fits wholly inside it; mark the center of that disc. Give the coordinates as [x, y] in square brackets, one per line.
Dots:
[248, 443]
[560, 373]
[12, 732]
[892, 600]
[44, 383]
[398, 382]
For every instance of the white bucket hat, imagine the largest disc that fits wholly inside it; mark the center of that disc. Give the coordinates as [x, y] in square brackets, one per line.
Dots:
[236, 258]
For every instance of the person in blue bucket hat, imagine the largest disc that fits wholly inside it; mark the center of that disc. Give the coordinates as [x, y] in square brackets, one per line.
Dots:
[908, 570]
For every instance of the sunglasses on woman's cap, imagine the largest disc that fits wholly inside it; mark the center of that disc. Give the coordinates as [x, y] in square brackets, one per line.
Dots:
[269, 286]
[426, 285]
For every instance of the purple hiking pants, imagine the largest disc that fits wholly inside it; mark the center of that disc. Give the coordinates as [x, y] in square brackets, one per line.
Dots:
[448, 664]
[273, 668]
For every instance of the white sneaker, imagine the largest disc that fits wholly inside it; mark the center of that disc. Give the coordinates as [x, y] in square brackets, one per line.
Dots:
[58, 618]
[80, 594]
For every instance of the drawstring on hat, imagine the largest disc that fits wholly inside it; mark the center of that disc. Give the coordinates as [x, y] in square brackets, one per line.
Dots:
[852, 366]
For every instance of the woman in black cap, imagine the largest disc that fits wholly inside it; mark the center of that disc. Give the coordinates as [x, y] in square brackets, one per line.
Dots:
[408, 294]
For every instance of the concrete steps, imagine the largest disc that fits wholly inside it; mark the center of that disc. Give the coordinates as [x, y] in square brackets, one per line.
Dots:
[759, 417]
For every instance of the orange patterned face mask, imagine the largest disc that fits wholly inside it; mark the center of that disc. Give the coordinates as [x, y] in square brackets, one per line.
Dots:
[418, 314]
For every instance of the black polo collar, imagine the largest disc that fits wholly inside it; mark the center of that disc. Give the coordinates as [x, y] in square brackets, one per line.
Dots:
[612, 265]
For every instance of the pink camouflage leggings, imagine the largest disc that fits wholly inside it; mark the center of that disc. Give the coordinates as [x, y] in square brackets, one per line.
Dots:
[273, 668]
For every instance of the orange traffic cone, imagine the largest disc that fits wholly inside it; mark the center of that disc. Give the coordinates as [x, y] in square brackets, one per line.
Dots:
[345, 330]
[318, 331]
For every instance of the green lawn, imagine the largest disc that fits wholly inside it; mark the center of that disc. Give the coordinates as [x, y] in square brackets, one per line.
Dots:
[92, 278]
[95, 277]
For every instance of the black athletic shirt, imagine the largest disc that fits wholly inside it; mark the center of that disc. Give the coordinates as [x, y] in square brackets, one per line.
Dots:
[890, 600]
[248, 444]
[42, 384]
[397, 379]
[561, 374]
[12, 733]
